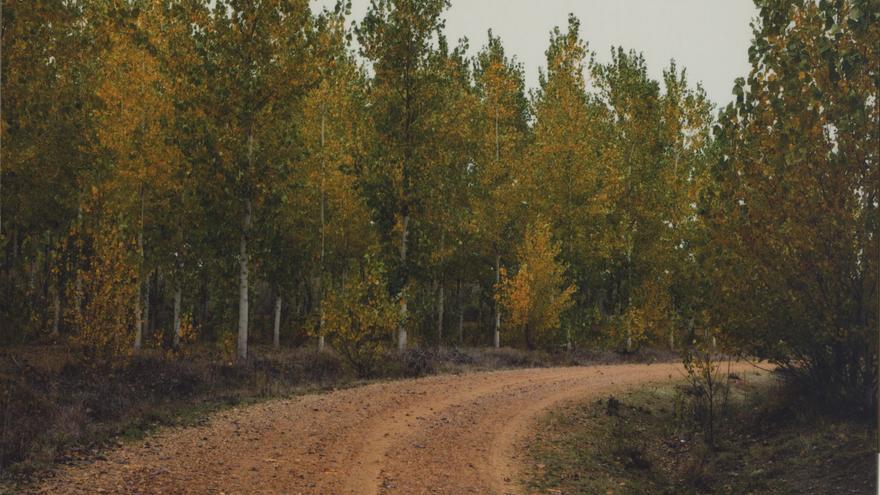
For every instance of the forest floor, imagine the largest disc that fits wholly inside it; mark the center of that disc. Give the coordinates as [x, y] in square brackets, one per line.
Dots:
[768, 440]
[57, 408]
[455, 434]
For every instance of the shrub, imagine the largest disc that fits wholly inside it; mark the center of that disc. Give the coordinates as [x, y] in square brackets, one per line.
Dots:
[708, 387]
[536, 296]
[359, 318]
[107, 292]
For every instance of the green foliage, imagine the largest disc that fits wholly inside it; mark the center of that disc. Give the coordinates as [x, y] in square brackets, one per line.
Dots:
[236, 137]
[535, 297]
[360, 317]
[102, 324]
[793, 211]
[708, 385]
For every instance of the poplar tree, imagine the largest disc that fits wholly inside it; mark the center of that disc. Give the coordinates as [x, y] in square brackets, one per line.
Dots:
[794, 218]
[396, 37]
[256, 61]
[502, 136]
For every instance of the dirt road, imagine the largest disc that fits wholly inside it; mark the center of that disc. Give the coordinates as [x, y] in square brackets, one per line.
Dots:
[439, 435]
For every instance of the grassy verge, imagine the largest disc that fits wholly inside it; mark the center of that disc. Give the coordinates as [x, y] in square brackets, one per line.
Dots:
[56, 409]
[768, 442]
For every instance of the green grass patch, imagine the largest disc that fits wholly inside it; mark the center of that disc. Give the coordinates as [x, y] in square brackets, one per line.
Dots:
[643, 441]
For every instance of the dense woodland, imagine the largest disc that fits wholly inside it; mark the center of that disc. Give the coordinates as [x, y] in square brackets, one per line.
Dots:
[235, 172]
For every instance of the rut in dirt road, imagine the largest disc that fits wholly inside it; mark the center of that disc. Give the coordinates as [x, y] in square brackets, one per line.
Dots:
[438, 435]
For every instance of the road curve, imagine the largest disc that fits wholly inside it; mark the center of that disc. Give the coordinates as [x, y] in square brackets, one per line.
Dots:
[452, 434]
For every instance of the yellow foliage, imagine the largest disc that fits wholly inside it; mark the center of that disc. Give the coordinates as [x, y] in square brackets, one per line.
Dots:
[536, 296]
[650, 317]
[188, 336]
[227, 344]
[107, 292]
[359, 318]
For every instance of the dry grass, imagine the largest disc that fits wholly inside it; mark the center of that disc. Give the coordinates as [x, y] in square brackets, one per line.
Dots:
[769, 441]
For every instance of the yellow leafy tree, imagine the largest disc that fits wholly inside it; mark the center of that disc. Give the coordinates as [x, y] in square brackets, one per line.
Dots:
[360, 317]
[133, 130]
[102, 325]
[537, 295]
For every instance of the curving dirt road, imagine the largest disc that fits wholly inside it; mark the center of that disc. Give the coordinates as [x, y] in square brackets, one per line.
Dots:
[439, 435]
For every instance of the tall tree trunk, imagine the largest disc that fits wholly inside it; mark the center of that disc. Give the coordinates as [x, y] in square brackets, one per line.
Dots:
[497, 336]
[141, 302]
[320, 291]
[629, 290]
[149, 323]
[276, 331]
[56, 310]
[178, 295]
[243, 284]
[243, 259]
[77, 277]
[401, 330]
[460, 314]
[151, 313]
[440, 308]
[1, 198]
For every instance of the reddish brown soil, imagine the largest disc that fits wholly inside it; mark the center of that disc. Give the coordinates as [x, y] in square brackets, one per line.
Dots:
[439, 435]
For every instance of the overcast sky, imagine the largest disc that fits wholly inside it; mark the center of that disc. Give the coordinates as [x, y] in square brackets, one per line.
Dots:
[708, 37]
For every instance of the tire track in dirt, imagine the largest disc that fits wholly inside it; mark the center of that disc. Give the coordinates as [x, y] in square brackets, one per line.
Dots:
[453, 434]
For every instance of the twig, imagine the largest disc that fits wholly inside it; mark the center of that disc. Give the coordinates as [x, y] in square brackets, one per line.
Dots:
[756, 366]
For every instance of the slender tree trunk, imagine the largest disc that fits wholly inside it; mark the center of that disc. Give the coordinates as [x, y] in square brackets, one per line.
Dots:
[243, 284]
[1, 198]
[497, 336]
[56, 310]
[15, 242]
[152, 293]
[440, 307]
[401, 330]
[149, 322]
[671, 339]
[276, 332]
[243, 259]
[77, 277]
[460, 314]
[178, 295]
[141, 302]
[320, 291]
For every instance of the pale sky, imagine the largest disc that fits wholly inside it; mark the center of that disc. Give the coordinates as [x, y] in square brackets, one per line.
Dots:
[708, 37]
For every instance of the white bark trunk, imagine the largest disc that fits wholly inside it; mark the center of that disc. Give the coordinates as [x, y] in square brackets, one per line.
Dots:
[401, 330]
[145, 326]
[497, 337]
[77, 279]
[276, 331]
[460, 314]
[320, 281]
[178, 295]
[243, 285]
[56, 310]
[140, 307]
[440, 308]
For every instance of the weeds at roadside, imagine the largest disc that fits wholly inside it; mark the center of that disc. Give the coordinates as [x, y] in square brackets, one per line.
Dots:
[639, 442]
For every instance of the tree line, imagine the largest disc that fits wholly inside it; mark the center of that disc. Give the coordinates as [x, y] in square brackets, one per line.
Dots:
[239, 171]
